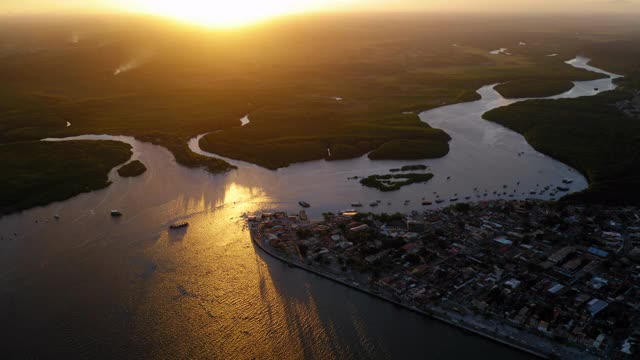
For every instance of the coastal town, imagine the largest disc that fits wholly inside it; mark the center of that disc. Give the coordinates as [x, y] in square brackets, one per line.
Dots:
[550, 278]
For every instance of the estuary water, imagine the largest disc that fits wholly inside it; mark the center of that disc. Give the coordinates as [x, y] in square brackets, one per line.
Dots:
[89, 285]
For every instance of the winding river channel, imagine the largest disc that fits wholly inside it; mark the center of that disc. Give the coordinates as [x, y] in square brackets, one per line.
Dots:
[88, 285]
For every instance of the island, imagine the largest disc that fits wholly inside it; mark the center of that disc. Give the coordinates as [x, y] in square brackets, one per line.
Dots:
[393, 182]
[132, 169]
[410, 168]
[553, 279]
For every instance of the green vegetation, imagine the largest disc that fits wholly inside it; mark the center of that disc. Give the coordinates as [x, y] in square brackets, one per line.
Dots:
[191, 81]
[533, 88]
[589, 134]
[387, 182]
[402, 149]
[55, 171]
[184, 156]
[132, 169]
[410, 168]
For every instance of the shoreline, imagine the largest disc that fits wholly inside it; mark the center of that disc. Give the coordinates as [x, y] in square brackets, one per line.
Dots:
[469, 328]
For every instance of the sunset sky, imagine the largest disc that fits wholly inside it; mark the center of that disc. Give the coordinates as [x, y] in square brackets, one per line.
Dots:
[475, 5]
[226, 12]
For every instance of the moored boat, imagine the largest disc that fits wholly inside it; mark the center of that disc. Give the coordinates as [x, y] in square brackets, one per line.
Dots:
[179, 225]
[116, 213]
[304, 204]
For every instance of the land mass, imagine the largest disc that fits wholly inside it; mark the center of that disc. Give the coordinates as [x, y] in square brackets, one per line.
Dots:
[590, 134]
[360, 95]
[394, 182]
[549, 278]
[533, 88]
[55, 171]
[132, 169]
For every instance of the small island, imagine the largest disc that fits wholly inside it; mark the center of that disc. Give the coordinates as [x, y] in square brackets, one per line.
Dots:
[410, 168]
[132, 169]
[390, 182]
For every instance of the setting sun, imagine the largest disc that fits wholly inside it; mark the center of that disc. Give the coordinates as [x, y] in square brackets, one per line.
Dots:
[226, 13]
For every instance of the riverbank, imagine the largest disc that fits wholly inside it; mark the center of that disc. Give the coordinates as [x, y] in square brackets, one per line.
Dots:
[539, 286]
[589, 134]
[55, 171]
[442, 315]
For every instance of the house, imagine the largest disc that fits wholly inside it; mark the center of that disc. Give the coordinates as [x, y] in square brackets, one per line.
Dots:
[596, 305]
[415, 226]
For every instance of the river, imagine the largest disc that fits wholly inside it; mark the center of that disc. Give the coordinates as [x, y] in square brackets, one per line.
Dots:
[88, 285]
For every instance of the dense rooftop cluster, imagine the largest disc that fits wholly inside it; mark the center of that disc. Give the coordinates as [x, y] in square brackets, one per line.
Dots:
[544, 273]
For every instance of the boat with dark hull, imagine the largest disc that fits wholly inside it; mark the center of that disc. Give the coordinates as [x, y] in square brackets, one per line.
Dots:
[180, 225]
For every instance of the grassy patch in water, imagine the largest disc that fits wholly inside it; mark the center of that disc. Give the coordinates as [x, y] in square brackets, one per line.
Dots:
[410, 168]
[394, 182]
[132, 169]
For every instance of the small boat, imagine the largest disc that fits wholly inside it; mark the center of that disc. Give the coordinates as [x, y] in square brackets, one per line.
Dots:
[562, 188]
[304, 204]
[116, 213]
[373, 204]
[439, 201]
[453, 199]
[427, 203]
[57, 217]
[356, 204]
[179, 225]
[567, 181]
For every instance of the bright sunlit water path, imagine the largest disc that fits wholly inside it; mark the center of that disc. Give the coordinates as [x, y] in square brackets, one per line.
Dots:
[88, 285]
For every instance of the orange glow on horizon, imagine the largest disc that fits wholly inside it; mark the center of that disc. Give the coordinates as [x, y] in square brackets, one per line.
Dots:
[217, 13]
